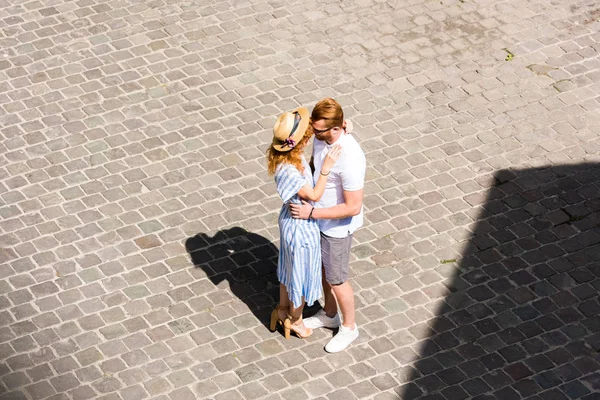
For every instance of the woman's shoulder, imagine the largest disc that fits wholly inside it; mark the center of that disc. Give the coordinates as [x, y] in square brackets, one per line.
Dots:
[285, 169]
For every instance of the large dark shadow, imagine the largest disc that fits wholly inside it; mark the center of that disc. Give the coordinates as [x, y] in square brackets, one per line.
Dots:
[245, 261]
[521, 319]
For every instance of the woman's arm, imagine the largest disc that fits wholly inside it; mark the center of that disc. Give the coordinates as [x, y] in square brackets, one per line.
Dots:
[314, 194]
[348, 127]
[351, 206]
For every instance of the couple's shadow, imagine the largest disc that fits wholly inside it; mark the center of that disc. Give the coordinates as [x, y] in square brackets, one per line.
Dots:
[244, 261]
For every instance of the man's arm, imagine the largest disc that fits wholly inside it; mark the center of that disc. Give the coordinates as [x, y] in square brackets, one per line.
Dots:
[350, 207]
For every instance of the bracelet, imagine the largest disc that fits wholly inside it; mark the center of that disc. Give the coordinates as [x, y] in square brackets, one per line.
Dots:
[311, 211]
[325, 174]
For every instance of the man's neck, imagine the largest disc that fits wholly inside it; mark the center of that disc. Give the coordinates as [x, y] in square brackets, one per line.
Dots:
[334, 138]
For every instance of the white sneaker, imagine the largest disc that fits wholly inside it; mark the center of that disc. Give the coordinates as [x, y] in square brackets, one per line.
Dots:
[321, 320]
[344, 337]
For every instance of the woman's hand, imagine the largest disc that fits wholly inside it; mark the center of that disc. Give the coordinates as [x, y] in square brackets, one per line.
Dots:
[332, 156]
[348, 126]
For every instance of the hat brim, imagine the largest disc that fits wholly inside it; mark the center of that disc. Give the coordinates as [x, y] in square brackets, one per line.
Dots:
[298, 134]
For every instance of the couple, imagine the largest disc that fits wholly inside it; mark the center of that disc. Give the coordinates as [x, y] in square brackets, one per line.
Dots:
[322, 209]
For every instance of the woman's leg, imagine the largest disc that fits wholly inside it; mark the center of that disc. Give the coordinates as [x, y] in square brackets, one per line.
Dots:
[284, 302]
[280, 313]
[297, 323]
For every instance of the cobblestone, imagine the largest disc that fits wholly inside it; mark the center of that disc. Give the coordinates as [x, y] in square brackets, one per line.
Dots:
[138, 229]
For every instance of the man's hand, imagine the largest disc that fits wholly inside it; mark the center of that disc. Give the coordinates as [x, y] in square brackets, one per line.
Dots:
[301, 211]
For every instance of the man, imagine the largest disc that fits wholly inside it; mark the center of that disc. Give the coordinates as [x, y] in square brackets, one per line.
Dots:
[340, 214]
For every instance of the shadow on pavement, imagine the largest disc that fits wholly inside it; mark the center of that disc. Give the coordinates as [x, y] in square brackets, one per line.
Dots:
[521, 314]
[243, 261]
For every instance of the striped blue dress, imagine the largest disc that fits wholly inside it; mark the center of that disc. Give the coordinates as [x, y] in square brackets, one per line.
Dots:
[299, 265]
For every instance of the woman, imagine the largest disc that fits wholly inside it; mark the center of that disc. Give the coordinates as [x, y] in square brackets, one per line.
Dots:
[299, 265]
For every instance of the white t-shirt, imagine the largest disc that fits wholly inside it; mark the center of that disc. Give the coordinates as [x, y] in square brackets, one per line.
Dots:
[348, 174]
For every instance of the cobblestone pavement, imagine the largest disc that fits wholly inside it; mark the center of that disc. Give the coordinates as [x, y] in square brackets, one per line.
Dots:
[139, 227]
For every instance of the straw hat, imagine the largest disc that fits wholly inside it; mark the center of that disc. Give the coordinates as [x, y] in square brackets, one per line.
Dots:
[290, 128]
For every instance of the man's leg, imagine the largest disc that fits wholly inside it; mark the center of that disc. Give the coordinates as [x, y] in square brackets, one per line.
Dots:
[336, 259]
[345, 298]
[328, 317]
[348, 331]
[344, 294]
[342, 290]
[331, 307]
